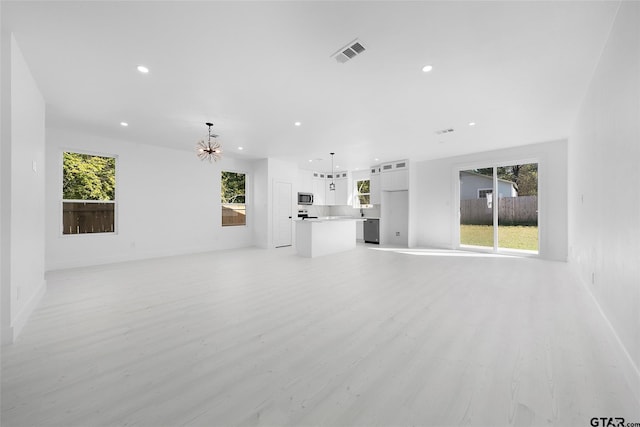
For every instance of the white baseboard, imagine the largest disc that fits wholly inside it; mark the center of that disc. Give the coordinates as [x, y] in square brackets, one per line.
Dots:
[138, 256]
[629, 367]
[7, 335]
[21, 319]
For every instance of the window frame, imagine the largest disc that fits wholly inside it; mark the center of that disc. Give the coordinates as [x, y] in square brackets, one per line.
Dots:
[62, 200]
[245, 204]
[486, 190]
[496, 163]
[356, 199]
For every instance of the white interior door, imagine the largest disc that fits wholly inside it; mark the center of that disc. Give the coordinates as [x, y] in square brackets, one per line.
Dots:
[282, 214]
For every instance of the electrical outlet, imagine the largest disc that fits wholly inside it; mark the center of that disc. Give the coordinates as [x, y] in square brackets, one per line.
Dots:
[397, 234]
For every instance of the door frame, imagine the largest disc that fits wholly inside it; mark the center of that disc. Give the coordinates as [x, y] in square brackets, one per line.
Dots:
[275, 226]
[455, 233]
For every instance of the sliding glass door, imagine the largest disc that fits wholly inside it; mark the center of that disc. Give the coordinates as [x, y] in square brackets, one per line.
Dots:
[499, 208]
[518, 211]
[476, 207]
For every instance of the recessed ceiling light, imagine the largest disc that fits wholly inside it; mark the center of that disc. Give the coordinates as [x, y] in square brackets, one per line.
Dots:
[297, 124]
[376, 159]
[143, 69]
[427, 68]
[472, 123]
[124, 124]
[240, 148]
[310, 160]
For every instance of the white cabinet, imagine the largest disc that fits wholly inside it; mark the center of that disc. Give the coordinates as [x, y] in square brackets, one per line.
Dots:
[343, 188]
[330, 199]
[360, 231]
[395, 180]
[319, 192]
[374, 185]
[305, 181]
[322, 195]
[339, 196]
[394, 176]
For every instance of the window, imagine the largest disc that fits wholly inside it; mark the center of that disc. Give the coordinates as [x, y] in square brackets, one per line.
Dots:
[363, 194]
[232, 195]
[88, 193]
[482, 192]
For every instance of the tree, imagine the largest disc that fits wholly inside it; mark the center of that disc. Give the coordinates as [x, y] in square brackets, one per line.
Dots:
[364, 188]
[87, 177]
[484, 171]
[232, 187]
[525, 176]
[527, 180]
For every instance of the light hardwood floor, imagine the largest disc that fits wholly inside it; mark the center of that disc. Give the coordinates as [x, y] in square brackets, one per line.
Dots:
[367, 337]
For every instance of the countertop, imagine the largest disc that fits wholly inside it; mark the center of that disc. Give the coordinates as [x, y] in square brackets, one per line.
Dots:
[337, 218]
[331, 218]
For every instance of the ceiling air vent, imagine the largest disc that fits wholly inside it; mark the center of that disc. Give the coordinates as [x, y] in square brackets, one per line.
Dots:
[444, 131]
[348, 52]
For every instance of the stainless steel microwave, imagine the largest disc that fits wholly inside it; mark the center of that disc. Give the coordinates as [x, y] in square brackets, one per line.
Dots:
[305, 198]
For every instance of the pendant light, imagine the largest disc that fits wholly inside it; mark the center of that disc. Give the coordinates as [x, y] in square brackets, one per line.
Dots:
[209, 150]
[332, 186]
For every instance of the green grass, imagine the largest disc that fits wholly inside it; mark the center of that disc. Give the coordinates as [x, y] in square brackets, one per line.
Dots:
[509, 236]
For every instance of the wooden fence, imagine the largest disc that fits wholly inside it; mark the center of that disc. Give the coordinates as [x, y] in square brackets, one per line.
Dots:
[234, 214]
[511, 211]
[81, 217]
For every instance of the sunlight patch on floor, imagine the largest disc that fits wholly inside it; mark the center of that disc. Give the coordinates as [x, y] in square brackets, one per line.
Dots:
[442, 253]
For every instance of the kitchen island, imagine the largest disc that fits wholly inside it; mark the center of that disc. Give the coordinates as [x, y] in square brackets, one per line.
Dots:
[327, 235]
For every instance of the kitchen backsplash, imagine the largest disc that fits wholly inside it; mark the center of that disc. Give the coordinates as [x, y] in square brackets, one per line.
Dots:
[373, 212]
[316, 210]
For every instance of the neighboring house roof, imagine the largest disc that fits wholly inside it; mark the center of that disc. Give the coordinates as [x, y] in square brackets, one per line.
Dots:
[491, 178]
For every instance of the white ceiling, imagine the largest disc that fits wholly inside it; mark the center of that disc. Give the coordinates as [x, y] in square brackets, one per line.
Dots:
[517, 69]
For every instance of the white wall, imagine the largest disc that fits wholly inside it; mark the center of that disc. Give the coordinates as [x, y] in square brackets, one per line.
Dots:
[167, 203]
[437, 223]
[262, 232]
[604, 182]
[23, 187]
[5, 184]
[414, 206]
